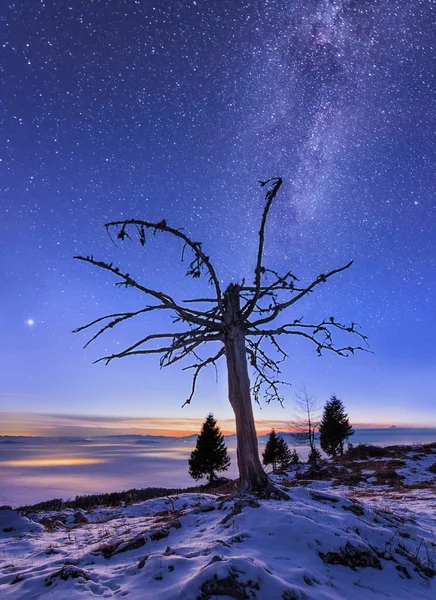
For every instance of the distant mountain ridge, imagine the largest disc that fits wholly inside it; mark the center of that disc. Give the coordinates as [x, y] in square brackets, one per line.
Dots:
[390, 434]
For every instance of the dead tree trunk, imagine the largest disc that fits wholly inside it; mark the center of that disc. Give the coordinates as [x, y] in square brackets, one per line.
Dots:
[251, 474]
[239, 331]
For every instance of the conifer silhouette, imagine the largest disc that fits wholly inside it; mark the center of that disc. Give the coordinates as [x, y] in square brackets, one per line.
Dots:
[210, 455]
[334, 428]
[277, 452]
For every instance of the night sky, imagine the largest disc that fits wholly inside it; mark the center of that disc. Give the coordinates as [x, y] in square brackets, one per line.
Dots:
[175, 109]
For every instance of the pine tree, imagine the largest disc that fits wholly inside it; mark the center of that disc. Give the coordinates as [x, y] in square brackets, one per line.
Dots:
[334, 428]
[284, 455]
[269, 455]
[277, 452]
[210, 455]
[295, 457]
[314, 457]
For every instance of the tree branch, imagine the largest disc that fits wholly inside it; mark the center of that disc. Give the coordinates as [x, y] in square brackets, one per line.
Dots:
[186, 314]
[183, 341]
[117, 318]
[281, 306]
[169, 358]
[271, 391]
[198, 367]
[194, 268]
[270, 195]
[200, 300]
[311, 332]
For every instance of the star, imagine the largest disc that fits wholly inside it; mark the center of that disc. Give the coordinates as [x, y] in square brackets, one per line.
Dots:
[155, 112]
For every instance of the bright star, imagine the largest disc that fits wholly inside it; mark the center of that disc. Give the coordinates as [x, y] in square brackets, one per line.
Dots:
[30, 322]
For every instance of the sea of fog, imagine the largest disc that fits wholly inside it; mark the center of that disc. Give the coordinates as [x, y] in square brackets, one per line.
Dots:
[36, 469]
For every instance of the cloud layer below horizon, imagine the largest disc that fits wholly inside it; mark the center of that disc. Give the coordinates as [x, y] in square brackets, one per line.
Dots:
[54, 425]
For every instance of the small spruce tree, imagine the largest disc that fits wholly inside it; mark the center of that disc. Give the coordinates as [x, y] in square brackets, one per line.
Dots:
[314, 457]
[334, 428]
[269, 455]
[277, 452]
[210, 455]
[284, 458]
[295, 457]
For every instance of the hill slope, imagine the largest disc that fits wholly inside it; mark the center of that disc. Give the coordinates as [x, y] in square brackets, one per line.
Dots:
[326, 543]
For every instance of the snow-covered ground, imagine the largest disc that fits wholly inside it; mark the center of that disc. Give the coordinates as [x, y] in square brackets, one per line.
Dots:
[330, 541]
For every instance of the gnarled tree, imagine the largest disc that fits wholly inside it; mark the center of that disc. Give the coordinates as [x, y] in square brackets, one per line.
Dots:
[240, 319]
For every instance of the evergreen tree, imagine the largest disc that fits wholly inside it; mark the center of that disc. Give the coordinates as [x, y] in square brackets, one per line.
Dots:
[210, 454]
[295, 457]
[284, 455]
[277, 452]
[334, 428]
[269, 455]
[314, 457]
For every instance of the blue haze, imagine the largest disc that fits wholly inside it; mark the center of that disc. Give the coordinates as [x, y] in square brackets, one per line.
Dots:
[130, 462]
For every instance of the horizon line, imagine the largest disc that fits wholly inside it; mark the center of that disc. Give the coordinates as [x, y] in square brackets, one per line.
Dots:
[34, 424]
[226, 433]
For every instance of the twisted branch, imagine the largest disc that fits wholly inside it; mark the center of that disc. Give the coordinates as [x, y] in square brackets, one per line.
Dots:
[198, 367]
[261, 364]
[186, 314]
[183, 342]
[195, 266]
[270, 195]
[117, 318]
[278, 307]
[311, 332]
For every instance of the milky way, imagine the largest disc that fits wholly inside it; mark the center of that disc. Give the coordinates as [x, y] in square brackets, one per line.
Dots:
[174, 110]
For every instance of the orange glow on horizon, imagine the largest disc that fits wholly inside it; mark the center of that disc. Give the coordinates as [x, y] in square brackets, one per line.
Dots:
[52, 462]
[20, 434]
[58, 425]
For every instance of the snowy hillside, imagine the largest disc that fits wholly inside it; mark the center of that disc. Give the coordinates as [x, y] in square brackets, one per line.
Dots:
[329, 541]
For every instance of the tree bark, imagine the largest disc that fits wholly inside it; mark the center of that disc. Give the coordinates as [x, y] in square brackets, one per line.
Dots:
[252, 477]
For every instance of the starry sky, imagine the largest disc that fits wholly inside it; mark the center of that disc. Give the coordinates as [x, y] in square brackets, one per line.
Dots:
[175, 109]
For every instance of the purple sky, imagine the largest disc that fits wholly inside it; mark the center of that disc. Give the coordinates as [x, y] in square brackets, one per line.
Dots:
[174, 110]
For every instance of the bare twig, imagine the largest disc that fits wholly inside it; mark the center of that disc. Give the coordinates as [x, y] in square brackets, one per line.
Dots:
[128, 281]
[307, 290]
[270, 195]
[116, 318]
[184, 342]
[262, 379]
[194, 268]
[306, 422]
[198, 367]
[311, 332]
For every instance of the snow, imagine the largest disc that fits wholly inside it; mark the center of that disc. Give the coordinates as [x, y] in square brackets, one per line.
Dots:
[13, 524]
[328, 542]
[416, 469]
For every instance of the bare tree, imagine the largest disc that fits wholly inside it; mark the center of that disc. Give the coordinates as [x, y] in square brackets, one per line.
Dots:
[239, 321]
[306, 422]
